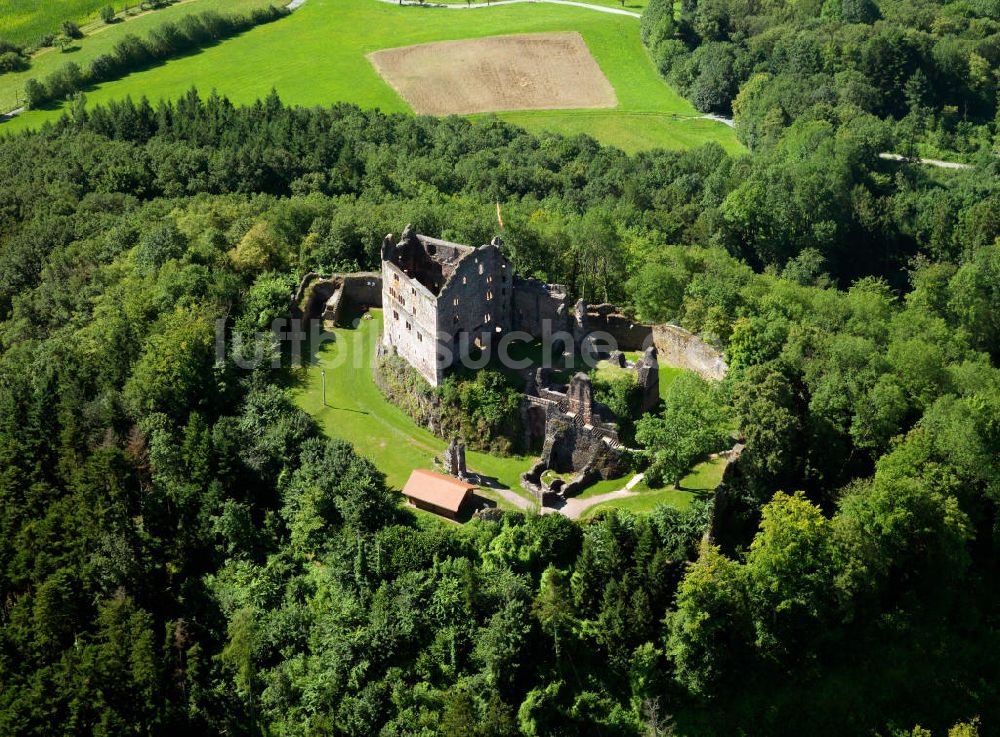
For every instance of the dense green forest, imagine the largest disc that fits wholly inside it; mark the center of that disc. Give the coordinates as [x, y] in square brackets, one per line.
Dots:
[928, 67]
[182, 551]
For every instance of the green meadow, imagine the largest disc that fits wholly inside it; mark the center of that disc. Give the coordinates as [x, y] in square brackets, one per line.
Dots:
[23, 21]
[702, 480]
[632, 6]
[102, 38]
[317, 57]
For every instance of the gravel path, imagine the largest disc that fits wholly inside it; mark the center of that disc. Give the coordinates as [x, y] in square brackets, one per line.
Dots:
[574, 507]
[469, 6]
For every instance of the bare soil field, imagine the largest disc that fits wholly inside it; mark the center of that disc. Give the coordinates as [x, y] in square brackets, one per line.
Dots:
[536, 71]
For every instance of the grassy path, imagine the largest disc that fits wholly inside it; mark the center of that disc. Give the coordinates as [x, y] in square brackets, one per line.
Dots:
[640, 498]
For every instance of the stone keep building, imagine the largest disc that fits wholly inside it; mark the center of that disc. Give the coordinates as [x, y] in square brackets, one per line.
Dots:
[438, 296]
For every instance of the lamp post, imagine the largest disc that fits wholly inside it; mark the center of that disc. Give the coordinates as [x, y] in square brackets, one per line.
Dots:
[322, 373]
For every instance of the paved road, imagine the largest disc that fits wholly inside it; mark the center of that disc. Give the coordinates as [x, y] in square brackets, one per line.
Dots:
[469, 6]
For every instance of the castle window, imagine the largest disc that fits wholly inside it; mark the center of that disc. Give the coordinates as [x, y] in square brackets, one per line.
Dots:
[489, 294]
[455, 319]
[480, 268]
[395, 277]
[408, 326]
[454, 302]
[486, 318]
[420, 337]
[395, 315]
[413, 290]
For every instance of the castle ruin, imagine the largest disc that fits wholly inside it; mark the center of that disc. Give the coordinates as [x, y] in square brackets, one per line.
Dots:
[441, 300]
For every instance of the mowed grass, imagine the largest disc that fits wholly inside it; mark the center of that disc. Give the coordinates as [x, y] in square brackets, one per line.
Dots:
[317, 57]
[356, 411]
[103, 38]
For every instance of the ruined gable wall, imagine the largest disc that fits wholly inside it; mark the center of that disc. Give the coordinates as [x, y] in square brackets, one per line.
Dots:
[410, 321]
[479, 287]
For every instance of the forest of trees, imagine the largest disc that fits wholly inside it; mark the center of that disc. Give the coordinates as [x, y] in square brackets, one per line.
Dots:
[928, 67]
[182, 551]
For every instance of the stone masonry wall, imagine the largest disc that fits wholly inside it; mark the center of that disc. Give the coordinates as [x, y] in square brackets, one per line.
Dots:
[477, 298]
[410, 321]
[628, 334]
[679, 347]
[361, 289]
[356, 290]
[535, 302]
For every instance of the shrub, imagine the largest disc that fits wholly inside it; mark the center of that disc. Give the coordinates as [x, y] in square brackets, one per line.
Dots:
[108, 14]
[11, 61]
[6, 46]
[46, 40]
[35, 93]
[71, 29]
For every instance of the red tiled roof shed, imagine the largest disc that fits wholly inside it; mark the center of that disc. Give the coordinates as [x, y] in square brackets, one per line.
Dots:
[436, 492]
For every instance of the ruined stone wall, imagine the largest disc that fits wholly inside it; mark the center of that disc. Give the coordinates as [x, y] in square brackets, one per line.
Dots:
[536, 302]
[628, 334]
[570, 447]
[312, 300]
[679, 347]
[356, 291]
[410, 321]
[477, 298]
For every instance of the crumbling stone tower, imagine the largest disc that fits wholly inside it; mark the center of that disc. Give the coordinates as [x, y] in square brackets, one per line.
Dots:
[454, 459]
[580, 398]
[648, 378]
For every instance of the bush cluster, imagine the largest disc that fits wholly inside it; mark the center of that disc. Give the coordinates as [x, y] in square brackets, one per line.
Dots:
[13, 58]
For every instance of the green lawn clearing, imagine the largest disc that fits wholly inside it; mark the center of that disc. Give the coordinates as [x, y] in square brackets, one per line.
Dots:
[702, 480]
[604, 486]
[356, 411]
[316, 56]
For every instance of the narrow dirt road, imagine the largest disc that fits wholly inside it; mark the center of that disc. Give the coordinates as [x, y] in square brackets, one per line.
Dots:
[470, 6]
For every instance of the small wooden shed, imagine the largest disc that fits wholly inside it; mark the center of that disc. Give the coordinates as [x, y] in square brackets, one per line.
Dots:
[436, 492]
